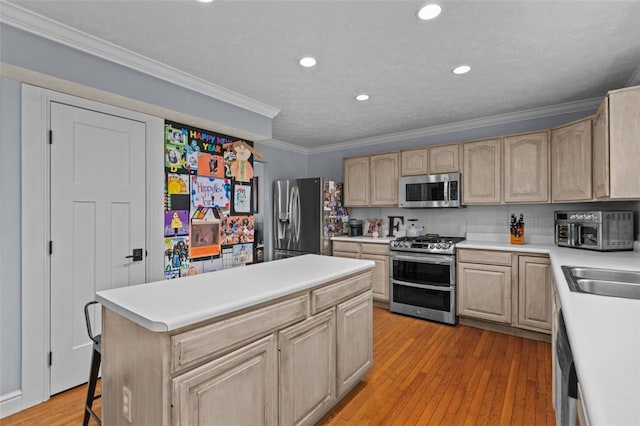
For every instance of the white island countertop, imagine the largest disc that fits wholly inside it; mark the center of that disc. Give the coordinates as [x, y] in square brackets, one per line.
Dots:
[168, 305]
[604, 332]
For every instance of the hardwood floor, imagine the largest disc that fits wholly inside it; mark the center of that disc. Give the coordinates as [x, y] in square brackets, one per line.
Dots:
[434, 374]
[423, 373]
[66, 408]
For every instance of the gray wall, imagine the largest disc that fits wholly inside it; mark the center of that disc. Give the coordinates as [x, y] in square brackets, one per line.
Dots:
[329, 164]
[37, 54]
[10, 288]
[279, 164]
[29, 51]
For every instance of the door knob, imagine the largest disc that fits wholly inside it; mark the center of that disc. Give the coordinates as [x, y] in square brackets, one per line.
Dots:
[136, 256]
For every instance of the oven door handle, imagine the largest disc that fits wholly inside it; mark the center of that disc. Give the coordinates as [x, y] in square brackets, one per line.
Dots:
[425, 286]
[425, 259]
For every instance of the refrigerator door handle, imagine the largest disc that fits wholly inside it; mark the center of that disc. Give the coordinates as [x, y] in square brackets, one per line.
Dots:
[298, 213]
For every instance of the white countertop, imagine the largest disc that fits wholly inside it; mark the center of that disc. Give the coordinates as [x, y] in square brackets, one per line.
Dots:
[604, 333]
[377, 240]
[168, 305]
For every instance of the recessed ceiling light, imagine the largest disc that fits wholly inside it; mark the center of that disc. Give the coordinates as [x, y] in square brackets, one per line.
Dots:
[362, 97]
[307, 61]
[205, 1]
[461, 69]
[429, 11]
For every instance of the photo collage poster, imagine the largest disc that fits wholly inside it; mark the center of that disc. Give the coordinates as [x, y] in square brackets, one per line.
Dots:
[208, 221]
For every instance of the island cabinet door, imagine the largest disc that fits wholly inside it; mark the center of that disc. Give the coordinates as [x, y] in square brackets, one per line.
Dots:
[354, 340]
[240, 388]
[307, 369]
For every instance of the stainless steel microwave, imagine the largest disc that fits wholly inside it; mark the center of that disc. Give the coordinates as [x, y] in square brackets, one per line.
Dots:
[595, 230]
[424, 191]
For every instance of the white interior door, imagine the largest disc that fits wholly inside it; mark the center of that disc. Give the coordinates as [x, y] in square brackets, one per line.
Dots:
[97, 219]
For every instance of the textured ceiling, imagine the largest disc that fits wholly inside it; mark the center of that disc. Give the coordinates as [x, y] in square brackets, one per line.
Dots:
[523, 54]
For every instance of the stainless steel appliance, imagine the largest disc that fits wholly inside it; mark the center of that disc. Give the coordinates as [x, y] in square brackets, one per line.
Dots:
[423, 277]
[442, 190]
[306, 214]
[566, 379]
[595, 230]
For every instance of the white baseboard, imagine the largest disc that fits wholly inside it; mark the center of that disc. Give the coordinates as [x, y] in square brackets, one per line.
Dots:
[10, 403]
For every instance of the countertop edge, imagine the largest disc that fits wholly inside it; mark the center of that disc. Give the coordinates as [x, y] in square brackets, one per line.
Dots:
[116, 299]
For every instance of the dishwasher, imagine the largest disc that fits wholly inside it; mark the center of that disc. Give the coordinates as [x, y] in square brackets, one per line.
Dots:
[566, 385]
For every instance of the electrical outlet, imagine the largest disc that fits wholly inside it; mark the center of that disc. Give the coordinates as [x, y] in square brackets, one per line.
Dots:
[126, 403]
[533, 222]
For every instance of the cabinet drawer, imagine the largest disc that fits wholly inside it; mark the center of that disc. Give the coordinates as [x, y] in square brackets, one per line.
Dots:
[348, 254]
[346, 246]
[197, 345]
[333, 294]
[485, 256]
[375, 248]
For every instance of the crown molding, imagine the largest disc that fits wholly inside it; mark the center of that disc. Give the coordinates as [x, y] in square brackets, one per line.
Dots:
[23, 19]
[511, 117]
[285, 146]
[634, 79]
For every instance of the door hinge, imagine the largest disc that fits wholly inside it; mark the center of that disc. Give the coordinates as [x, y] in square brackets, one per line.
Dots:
[50, 137]
[50, 247]
[50, 358]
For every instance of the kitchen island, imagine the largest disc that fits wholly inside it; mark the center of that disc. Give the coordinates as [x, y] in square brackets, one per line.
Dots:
[274, 343]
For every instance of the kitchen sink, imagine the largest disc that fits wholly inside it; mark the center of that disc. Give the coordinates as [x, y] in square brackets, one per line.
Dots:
[603, 282]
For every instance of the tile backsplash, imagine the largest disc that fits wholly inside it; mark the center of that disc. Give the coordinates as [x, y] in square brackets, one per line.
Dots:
[491, 220]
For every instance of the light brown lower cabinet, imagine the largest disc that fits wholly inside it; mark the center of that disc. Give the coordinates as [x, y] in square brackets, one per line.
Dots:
[238, 388]
[534, 293]
[354, 341]
[484, 292]
[509, 288]
[379, 253]
[307, 369]
[281, 363]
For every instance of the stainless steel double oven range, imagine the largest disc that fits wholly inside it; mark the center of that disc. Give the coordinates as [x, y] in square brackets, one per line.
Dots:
[423, 277]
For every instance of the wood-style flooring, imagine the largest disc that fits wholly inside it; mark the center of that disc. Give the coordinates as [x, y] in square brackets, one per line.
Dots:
[423, 373]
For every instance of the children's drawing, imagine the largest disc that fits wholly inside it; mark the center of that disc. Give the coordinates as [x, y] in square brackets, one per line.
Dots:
[241, 199]
[176, 222]
[241, 168]
[210, 192]
[236, 230]
[176, 253]
[205, 239]
[177, 184]
[210, 165]
[194, 269]
[212, 264]
[242, 254]
[175, 134]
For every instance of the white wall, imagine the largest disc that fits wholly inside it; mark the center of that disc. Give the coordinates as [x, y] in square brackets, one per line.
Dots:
[10, 240]
[538, 218]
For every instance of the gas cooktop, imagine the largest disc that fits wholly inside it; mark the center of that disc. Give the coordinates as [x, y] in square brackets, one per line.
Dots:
[430, 243]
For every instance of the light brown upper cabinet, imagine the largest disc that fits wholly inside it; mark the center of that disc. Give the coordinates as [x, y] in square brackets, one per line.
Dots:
[571, 162]
[444, 159]
[371, 180]
[616, 145]
[526, 168]
[482, 172]
[356, 181]
[415, 162]
[384, 179]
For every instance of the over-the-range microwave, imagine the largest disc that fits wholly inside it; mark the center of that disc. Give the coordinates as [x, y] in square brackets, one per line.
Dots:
[423, 191]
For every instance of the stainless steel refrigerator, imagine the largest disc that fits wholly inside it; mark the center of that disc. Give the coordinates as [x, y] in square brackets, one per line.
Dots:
[306, 214]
